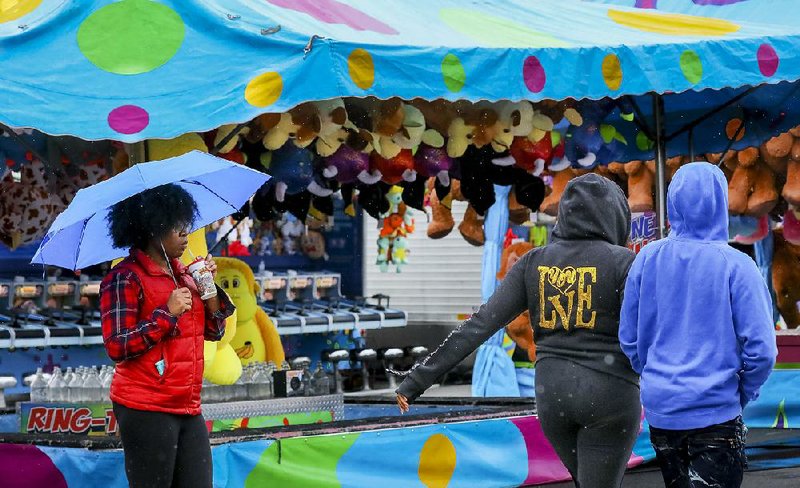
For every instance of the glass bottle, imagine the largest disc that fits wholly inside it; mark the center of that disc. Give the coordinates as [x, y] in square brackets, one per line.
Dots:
[56, 386]
[39, 387]
[75, 391]
[92, 387]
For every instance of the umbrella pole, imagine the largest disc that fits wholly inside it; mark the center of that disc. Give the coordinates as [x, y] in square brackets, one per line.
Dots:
[661, 166]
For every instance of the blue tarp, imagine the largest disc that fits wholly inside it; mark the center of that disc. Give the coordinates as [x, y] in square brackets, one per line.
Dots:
[493, 373]
[136, 69]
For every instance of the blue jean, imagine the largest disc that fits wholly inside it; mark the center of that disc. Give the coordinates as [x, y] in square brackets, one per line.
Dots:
[711, 457]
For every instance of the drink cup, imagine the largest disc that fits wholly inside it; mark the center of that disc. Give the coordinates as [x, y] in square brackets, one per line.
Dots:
[203, 278]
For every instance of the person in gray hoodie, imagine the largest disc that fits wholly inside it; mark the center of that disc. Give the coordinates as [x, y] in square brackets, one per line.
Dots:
[587, 394]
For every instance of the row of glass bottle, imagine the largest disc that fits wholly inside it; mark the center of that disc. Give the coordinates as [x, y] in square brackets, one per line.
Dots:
[84, 384]
[88, 384]
[256, 383]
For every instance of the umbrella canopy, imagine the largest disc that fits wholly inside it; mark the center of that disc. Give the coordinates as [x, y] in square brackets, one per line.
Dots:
[79, 237]
[136, 69]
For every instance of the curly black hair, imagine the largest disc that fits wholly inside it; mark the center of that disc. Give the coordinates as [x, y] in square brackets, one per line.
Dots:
[151, 214]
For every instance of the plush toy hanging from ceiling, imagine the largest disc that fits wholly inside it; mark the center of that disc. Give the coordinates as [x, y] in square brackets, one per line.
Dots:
[232, 149]
[300, 126]
[398, 223]
[292, 185]
[256, 338]
[752, 187]
[786, 279]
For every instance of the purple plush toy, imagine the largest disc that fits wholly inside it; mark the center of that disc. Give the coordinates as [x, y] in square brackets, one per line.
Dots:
[433, 161]
[348, 166]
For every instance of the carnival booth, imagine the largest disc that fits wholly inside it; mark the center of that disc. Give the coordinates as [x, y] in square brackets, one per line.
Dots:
[357, 112]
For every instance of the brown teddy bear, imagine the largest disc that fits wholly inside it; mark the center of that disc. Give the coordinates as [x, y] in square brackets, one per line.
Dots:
[751, 189]
[560, 180]
[791, 190]
[786, 279]
[519, 330]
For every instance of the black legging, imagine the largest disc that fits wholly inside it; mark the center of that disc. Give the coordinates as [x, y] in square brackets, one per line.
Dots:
[164, 450]
[590, 418]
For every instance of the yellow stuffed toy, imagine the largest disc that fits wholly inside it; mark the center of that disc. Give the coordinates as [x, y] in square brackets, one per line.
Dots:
[256, 337]
[222, 365]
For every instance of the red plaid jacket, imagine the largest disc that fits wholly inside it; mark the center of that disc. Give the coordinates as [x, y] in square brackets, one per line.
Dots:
[126, 336]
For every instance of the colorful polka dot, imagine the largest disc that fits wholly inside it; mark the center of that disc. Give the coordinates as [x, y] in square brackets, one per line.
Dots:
[362, 68]
[768, 60]
[128, 119]
[673, 24]
[691, 66]
[264, 89]
[612, 72]
[453, 72]
[493, 31]
[533, 74]
[131, 37]
[734, 128]
[437, 462]
[12, 10]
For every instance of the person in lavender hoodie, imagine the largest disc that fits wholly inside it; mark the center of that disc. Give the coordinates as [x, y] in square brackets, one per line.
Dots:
[696, 324]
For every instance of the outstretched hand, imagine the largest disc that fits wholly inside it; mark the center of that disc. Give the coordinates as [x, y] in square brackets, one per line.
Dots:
[402, 403]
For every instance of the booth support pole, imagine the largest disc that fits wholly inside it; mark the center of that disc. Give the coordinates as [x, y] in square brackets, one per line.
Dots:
[661, 166]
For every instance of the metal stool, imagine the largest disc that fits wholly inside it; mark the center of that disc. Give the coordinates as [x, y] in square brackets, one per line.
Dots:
[335, 357]
[419, 352]
[390, 356]
[6, 382]
[366, 356]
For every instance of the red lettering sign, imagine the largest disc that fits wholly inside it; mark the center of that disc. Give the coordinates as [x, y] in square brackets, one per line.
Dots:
[37, 419]
[111, 422]
[61, 418]
[81, 420]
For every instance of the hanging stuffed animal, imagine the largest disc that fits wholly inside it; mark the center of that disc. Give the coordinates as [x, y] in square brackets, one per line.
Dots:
[560, 180]
[349, 166]
[398, 222]
[396, 169]
[232, 149]
[791, 190]
[292, 171]
[786, 279]
[332, 132]
[751, 189]
[299, 125]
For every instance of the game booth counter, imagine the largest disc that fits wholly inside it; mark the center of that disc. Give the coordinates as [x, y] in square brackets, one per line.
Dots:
[390, 108]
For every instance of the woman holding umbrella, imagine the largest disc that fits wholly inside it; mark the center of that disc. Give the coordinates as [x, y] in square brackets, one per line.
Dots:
[154, 324]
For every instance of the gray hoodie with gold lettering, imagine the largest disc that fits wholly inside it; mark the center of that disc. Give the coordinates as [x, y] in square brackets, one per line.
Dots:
[572, 288]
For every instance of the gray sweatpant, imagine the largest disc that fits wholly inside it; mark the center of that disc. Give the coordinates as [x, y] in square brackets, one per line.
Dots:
[591, 418]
